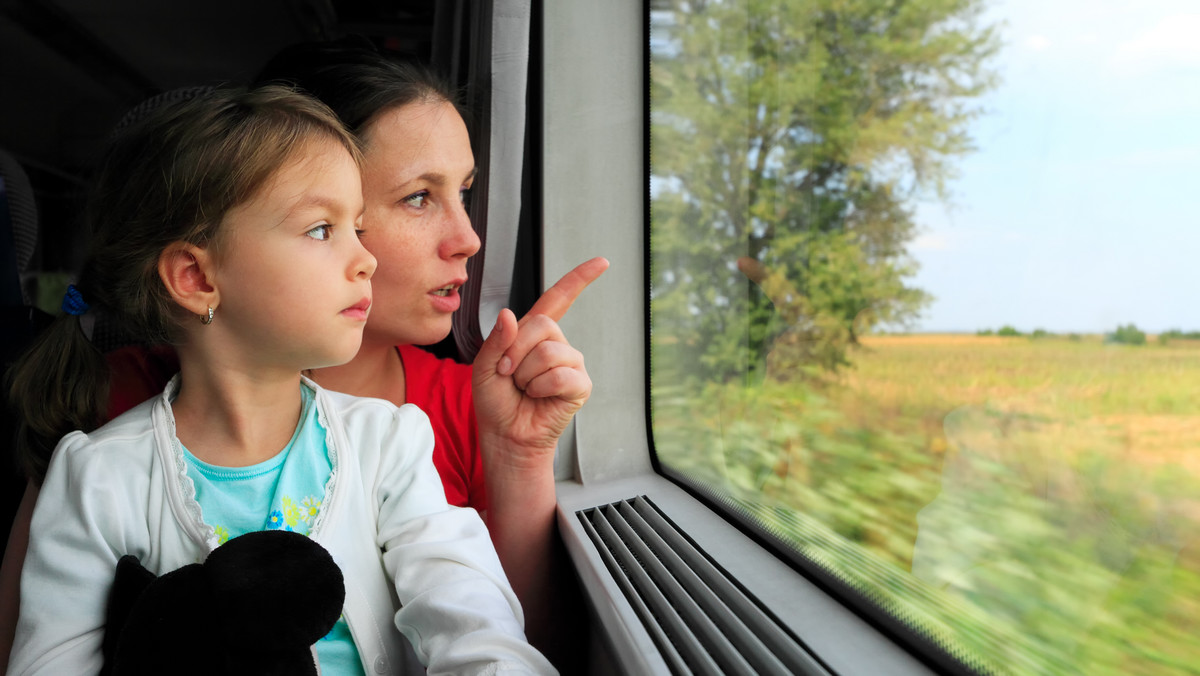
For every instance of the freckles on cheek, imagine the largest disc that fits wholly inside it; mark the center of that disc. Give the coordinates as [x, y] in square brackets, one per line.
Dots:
[390, 289]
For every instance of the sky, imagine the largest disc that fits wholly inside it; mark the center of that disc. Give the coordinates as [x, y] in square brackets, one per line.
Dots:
[1079, 209]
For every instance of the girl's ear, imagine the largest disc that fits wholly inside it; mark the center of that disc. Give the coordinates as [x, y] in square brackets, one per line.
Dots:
[186, 270]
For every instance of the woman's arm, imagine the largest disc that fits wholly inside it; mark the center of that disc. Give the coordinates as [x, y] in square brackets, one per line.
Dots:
[10, 572]
[521, 417]
[528, 383]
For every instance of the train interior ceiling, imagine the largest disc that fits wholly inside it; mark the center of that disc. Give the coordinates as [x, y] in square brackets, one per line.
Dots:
[70, 69]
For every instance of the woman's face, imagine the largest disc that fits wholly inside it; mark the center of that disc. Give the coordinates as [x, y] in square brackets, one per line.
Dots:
[417, 167]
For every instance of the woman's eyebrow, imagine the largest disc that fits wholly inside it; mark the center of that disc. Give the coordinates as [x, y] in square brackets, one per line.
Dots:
[433, 177]
[440, 178]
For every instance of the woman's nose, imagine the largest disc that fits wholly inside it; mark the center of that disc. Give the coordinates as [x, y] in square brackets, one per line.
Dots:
[460, 240]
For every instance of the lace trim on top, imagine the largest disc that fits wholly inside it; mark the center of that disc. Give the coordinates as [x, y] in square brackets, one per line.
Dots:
[187, 487]
[331, 449]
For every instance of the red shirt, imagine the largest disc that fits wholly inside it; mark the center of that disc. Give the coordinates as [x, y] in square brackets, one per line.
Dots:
[440, 387]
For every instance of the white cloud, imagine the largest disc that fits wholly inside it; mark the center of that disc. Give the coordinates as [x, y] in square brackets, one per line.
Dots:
[1038, 43]
[1171, 43]
[931, 241]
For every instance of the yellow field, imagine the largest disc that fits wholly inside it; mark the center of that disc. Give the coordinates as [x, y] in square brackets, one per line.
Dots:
[1139, 403]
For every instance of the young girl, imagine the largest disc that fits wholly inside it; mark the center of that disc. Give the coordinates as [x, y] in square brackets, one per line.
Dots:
[227, 225]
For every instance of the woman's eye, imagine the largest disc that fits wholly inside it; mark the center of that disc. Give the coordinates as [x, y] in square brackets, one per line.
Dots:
[416, 199]
[321, 232]
[464, 195]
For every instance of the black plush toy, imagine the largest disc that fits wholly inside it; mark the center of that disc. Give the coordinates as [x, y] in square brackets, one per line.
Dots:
[255, 606]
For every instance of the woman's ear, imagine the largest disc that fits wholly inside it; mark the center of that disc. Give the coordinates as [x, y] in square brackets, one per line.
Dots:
[186, 270]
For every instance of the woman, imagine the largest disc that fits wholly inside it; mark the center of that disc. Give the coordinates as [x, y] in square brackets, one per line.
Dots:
[496, 423]
[527, 381]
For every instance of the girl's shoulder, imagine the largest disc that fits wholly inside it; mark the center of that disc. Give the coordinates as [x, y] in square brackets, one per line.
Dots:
[135, 424]
[346, 411]
[373, 433]
[115, 451]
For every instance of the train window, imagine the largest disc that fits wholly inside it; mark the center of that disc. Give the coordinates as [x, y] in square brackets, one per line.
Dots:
[920, 311]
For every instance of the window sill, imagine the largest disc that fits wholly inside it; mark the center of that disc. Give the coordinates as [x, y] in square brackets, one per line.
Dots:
[834, 634]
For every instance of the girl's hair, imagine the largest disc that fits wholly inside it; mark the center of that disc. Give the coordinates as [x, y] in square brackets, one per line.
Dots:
[171, 176]
[357, 81]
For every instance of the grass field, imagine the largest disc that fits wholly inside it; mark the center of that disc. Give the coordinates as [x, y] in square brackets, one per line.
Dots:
[1034, 504]
[1140, 403]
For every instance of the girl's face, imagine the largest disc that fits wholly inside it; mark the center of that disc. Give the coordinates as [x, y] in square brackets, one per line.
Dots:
[292, 276]
[417, 169]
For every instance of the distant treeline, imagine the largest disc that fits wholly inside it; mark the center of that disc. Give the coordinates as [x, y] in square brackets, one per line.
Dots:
[1127, 334]
[1177, 334]
[1007, 330]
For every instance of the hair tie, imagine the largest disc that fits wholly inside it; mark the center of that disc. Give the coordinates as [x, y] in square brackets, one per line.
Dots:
[73, 303]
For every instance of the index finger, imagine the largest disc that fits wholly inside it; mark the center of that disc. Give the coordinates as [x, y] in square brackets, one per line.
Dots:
[555, 302]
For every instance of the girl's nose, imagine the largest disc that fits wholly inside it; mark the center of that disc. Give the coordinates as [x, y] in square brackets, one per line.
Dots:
[364, 263]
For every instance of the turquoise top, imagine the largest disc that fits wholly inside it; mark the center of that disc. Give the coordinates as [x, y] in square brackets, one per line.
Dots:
[283, 492]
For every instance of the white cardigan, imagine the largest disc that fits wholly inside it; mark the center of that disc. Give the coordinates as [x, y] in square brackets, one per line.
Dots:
[410, 561]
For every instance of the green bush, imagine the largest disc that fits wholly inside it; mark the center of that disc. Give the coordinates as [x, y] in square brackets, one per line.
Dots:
[1127, 335]
[1007, 330]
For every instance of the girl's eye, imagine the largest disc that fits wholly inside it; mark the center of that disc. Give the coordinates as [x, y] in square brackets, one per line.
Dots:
[321, 232]
[416, 199]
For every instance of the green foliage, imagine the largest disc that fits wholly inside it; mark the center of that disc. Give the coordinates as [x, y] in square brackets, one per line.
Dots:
[984, 332]
[786, 443]
[790, 137]
[1040, 333]
[1127, 334]
[1177, 334]
[1021, 559]
[1007, 331]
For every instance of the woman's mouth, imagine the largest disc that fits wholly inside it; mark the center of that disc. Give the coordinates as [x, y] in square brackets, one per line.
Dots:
[446, 298]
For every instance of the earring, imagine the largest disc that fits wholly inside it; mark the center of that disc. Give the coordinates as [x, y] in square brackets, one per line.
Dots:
[207, 321]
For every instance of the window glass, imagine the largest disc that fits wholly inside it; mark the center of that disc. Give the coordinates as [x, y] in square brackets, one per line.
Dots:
[922, 305]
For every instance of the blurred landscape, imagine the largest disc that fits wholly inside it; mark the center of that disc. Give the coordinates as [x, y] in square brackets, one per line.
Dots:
[1031, 503]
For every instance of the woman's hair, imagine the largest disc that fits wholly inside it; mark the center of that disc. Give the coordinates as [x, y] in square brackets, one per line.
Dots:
[357, 81]
[170, 176]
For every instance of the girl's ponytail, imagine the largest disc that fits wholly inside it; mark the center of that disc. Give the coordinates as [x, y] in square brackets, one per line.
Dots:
[59, 385]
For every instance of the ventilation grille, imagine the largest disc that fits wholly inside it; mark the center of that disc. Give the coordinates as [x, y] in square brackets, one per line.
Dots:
[702, 622]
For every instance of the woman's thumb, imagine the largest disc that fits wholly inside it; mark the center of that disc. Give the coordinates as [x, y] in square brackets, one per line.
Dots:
[498, 341]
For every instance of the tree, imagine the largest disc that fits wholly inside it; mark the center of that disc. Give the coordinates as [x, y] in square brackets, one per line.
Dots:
[793, 135]
[1127, 334]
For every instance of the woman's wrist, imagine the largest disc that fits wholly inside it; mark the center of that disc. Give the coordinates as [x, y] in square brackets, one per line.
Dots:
[506, 458]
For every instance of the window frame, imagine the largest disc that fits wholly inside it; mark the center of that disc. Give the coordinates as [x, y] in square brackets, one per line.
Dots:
[594, 185]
